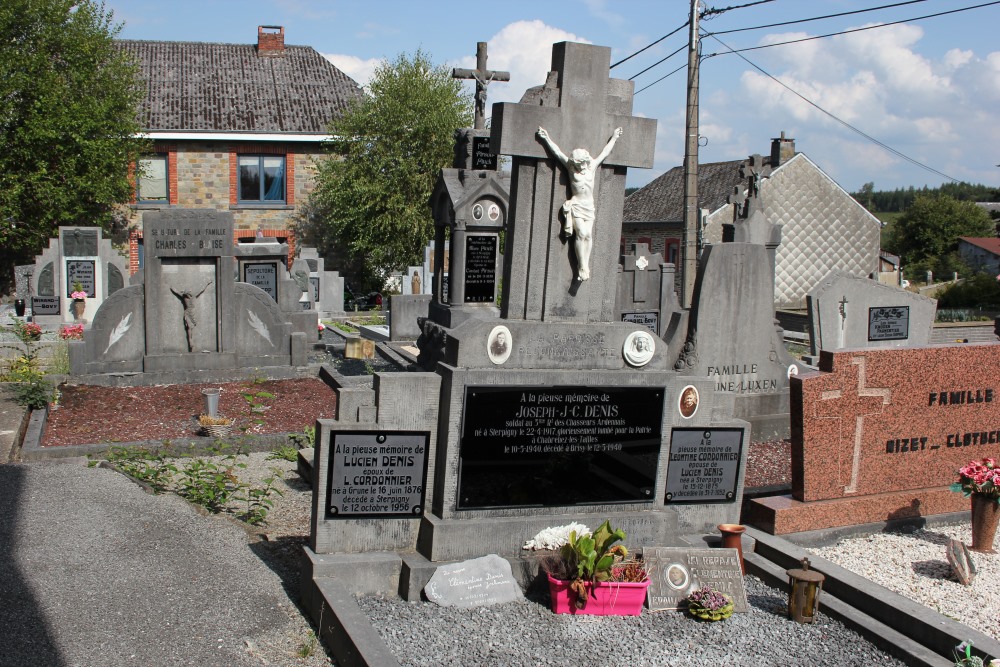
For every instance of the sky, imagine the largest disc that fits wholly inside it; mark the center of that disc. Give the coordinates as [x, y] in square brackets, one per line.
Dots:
[928, 89]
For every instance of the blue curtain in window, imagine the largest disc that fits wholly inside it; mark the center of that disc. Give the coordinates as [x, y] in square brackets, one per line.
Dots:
[276, 191]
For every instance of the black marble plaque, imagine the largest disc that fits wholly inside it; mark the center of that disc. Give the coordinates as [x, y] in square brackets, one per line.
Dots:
[480, 268]
[79, 243]
[889, 323]
[482, 158]
[81, 271]
[551, 446]
[376, 474]
[263, 275]
[648, 320]
[45, 305]
[704, 465]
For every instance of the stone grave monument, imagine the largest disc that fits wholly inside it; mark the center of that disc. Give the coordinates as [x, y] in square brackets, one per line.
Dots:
[647, 296]
[557, 411]
[879, 434]
[264, 264]
[80, 255]
[186, 315]
[847, 312]
[732, 334]
[325, 289]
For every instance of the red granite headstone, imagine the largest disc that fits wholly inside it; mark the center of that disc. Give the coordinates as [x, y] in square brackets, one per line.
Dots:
[879, 434]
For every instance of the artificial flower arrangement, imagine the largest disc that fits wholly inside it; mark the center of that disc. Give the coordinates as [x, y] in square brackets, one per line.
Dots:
[709, 604]
[71, 332]
[78, 293]
[981, 478]
[28, 331]
[593, 574]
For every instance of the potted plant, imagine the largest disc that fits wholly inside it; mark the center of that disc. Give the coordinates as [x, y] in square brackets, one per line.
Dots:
[79, 300]
[593, 574]
[215, 426]
[980, 480]
[709, 604]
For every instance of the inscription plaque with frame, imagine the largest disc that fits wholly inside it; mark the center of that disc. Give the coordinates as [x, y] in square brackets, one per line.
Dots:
[377, 474]
[480, 268]
[82, 271]
[888, 323]
[704, 465]
[526, 446]
[263, 275]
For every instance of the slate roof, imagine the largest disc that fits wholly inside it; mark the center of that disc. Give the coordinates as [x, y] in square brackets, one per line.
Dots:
[662, 199]
[989, 244]
[200, 86]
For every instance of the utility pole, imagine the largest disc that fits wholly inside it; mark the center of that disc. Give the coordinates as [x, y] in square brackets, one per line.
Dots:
[692, 214]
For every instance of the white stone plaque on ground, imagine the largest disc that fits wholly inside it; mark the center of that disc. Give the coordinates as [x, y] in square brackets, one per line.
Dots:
[479, 582]
[677, 572]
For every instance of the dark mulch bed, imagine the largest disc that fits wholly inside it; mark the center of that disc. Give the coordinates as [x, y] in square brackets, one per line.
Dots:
[90, 414]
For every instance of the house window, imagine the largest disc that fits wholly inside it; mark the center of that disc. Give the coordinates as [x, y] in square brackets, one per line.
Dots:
[152, 186]
[673, 247]
[262, 178]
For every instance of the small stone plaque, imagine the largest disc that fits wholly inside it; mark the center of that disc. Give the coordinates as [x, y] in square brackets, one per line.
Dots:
[704, 465]
[649, 320]
[45, 305]
[677, 572]
[550, 446]
[79, 243]
[314, 285]
[376, 474]
[479, 582]
[192, 233]
[961, 562]
[889, 323]
[81, 271]
[480, 268]
[482, 158]
[263, 275]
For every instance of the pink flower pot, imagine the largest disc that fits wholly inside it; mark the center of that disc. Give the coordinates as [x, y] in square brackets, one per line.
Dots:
[606, 598]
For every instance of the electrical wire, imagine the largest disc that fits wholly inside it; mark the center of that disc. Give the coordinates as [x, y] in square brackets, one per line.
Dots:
[671, 74]
[709, 13]
[818, 18]
[634, 76]
[842, 122]
[847, 32]
[650, 45]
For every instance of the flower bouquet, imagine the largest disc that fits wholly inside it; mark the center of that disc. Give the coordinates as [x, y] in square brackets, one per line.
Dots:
[980, 478]
[709, 604]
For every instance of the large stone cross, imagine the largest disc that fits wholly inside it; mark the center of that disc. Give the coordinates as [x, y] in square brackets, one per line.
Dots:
[580, 107]
[483, 79]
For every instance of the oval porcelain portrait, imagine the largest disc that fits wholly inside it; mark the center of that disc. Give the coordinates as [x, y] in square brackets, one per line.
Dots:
[498, 344]
[687, 403]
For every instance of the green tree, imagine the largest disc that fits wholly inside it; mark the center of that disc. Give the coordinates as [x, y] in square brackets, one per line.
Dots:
[69, 121]
[370, 208]
[926, 234]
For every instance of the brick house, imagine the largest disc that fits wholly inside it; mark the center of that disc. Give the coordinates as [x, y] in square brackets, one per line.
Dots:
[824, 228]
[234, 127]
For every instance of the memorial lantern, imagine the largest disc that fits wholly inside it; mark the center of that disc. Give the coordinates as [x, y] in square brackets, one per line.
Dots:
[803, 596]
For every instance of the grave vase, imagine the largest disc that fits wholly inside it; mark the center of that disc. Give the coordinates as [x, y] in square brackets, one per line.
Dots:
[77, 308]
[985, 516]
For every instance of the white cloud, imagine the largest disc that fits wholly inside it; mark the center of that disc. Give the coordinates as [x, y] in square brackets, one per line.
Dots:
[354, 67]
[523, 48]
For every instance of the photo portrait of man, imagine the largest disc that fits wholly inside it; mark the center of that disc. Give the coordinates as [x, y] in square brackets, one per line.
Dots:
[498, 344]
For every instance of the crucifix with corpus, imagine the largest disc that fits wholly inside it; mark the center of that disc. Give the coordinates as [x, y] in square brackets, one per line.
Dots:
[483, 79]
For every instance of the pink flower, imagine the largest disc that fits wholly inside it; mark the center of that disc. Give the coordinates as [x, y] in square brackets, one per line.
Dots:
[78, 295]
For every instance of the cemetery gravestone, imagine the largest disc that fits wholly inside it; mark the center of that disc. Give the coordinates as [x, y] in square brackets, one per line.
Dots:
[850, 312]
[879, 434]
[678, 572]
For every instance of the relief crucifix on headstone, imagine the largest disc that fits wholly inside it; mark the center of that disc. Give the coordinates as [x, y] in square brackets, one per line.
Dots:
[579, 210]
[188, 298]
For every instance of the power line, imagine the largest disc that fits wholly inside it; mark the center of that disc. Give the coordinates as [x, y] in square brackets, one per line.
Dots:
[671, 74]
[634, 76]
[709, 12]
[847, 32]
[842, 122]
[680, 27]
[818, 18]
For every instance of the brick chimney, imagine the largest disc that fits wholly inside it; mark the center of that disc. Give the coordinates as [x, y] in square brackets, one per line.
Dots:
[782, 150]
[270, 40]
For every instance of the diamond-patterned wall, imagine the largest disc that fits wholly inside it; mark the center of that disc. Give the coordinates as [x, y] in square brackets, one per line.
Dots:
[823, 229]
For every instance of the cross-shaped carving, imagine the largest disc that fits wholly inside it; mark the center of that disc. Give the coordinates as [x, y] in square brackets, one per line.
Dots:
[852, 403]
[539, 271]
[483, 79]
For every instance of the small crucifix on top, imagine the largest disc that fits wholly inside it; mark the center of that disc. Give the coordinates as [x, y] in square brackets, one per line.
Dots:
[483, 79]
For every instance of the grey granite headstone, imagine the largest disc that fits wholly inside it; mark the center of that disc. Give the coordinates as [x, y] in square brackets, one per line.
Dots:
[850, 312]
[479, 582]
